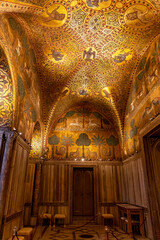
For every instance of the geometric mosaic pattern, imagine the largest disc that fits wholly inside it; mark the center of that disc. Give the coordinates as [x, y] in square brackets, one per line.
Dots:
[73, 232]
[85, 50]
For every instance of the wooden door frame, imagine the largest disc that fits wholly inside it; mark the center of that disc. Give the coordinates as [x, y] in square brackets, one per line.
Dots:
[95, 186]
[144, 133]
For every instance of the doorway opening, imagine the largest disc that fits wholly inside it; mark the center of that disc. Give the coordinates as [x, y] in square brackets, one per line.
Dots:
[151, 143]
[83, 192]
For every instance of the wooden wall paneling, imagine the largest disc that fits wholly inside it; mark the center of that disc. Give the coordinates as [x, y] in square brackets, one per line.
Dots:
[124, 187]
[52, 183]
[121, 182]
[22, 180]
[42, 184]
[10, 177]
[70, 192]
[115, 184]
[5, 169]
[14, 181]
[104, 184]
[9, 225]
[45, 180]
[142, 184]
[2, 148]
[109, 184]
[136, 180]
[130, 184]
[1, 138]
[125, 184]
[18, 179]
[96, 194]
[29, 182]
[29, 189]
[16, 184]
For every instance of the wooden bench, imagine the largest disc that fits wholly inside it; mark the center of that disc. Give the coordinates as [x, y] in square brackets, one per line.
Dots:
[44, 216]
[15, 238]
[59, 216]
[26, 232]
[107, 216]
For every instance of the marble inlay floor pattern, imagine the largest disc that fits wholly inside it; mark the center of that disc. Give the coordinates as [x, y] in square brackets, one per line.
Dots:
[91, 232]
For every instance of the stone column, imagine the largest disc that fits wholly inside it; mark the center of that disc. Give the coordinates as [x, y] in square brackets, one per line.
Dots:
[6, 160]
[36, 188]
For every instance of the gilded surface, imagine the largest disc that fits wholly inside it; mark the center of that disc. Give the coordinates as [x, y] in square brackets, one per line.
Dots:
[83, 133]
[83, 51]
[6, 92]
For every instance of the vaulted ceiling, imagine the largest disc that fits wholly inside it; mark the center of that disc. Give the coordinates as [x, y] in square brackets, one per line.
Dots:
[87, 51]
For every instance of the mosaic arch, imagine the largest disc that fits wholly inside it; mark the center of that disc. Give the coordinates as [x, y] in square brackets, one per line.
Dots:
[86, 48]
[25, 72]
[83, 133]
[102, 105]
[6, 92]
[36, 143]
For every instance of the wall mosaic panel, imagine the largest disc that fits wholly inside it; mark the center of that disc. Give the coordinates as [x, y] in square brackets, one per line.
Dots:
[24, 62]
[144, 99]
[6, 92]
[83, 133]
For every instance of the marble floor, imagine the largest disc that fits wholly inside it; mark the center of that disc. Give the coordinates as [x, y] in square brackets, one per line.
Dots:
[73, 232]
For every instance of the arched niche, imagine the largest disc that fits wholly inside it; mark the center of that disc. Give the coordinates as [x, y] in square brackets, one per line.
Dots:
[36, 142]
[83, 132]
[6, 92]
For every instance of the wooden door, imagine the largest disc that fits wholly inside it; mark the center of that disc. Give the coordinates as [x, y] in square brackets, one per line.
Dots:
[83, 197]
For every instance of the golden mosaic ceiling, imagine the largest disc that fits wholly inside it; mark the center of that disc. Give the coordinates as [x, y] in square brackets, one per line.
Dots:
[87, 50]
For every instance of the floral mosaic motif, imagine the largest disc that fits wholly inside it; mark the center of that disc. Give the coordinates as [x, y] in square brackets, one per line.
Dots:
[6, 92]
[112, 19]
[36, 142]
[77, 18]
[95, 23]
